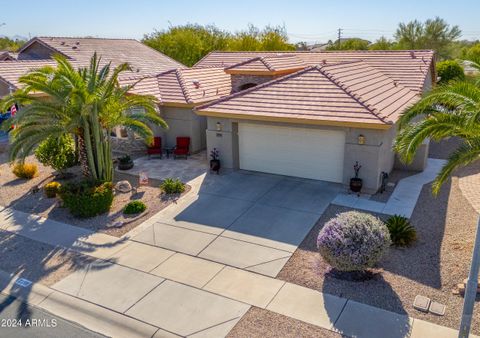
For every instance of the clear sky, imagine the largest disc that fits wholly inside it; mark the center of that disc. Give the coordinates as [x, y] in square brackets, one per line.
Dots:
[305, 20]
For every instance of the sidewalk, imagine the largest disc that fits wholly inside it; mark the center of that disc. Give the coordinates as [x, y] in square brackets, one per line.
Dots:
[404, 197]
[145, 291]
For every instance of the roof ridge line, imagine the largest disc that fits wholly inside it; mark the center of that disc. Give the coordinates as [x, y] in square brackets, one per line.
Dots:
[353, 95]
[183, 85]
[267, 64]
[260, 86]
[245, 62]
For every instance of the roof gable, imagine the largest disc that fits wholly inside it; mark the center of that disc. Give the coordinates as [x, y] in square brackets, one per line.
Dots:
[191, 86]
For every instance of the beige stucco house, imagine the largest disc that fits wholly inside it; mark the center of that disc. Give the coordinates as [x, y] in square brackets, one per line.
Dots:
[303, 114]
[314, 115]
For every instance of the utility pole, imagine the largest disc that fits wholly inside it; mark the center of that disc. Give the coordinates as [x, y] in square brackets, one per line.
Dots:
[339, 37]
[471, 289]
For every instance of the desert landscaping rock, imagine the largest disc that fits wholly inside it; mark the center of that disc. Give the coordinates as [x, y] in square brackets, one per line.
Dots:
[123, 186]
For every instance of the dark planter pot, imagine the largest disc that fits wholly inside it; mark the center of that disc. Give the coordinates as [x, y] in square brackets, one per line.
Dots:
[125, 165]
[356, 184]
[215, 165]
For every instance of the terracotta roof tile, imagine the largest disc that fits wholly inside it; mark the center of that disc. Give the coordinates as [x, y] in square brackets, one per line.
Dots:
[193, 85]
[352, 92]
[141, 57]
[409, 68]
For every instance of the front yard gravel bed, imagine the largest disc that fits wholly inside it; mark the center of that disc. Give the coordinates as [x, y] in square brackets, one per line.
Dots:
[17, 193]
[433, 266]
[263, 323]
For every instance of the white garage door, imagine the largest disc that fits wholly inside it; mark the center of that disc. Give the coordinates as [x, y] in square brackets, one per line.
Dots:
[300, 152]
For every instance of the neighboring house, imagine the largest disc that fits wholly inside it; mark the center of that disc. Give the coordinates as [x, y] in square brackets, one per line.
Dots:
[38, 52]
[316, 122]
[6, 55]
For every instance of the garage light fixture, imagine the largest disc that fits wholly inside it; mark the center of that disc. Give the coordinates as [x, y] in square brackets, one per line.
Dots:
[361, 139]
[219, 126]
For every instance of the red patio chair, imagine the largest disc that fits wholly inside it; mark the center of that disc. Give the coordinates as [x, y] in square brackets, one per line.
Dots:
[156, 147]
[182, 148]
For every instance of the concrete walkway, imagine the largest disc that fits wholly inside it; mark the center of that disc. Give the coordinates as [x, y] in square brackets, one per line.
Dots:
[404, 197]
[138, 290]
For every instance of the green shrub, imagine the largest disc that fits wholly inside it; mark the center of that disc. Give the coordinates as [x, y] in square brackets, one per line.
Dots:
[450, 70]
[134, 207]
[51, 189]
[25, 170]
[402, 233]
[87, 199]
[57, 152]
[172, 186]
[353, 241]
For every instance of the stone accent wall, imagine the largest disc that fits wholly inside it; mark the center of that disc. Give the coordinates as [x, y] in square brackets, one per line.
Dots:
[128, 146]
[239, 80]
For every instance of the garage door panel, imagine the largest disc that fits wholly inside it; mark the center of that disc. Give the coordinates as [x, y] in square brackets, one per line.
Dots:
[302, 152]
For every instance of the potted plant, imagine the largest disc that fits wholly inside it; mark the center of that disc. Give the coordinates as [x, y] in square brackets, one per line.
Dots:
[356, 183]
[125, 163]
[214, 161]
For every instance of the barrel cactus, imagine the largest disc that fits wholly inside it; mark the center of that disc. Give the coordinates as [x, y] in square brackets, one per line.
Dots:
[353, 241]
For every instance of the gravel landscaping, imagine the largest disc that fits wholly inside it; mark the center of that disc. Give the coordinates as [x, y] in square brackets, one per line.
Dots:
[18, 194]
[263, 323]
[433, 266]
[36, 261]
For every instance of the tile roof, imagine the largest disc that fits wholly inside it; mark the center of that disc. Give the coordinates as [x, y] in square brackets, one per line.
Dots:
[193, 85]
[142, 86]
[10, 71]
[269, 63]
[409, 68]
[142, 58]
[348, 92]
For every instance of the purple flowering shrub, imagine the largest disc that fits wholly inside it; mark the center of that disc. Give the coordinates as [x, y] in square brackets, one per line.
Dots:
[353, 241]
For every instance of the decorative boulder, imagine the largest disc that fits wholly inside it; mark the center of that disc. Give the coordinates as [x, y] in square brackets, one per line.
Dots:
[123, 186]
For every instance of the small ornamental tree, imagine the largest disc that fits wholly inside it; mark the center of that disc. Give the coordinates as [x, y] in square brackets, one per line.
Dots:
[353, 241]
[57, 152]
[450, 70]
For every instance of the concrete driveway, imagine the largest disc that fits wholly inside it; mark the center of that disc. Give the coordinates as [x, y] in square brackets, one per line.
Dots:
[248, 220]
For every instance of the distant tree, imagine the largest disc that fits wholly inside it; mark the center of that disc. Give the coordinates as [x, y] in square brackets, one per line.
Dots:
[449, 70]
[434, 34]
[275, 38]
[189, 43]
[10, 45]
[382, 44]
[301, 46]
[350, 44]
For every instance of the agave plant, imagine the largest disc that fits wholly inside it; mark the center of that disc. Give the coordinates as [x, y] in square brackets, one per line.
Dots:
[402, 233]
[86, 102]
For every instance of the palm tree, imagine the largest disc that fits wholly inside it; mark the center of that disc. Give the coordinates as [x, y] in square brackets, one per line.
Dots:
[452, 110]
[86, 102]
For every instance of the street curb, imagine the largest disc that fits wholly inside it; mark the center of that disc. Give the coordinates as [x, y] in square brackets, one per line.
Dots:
[88, 315]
